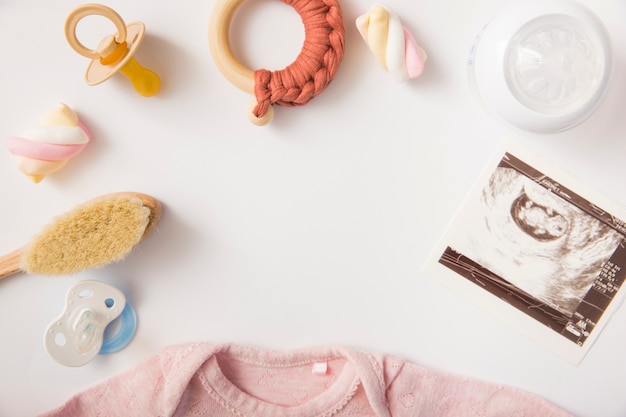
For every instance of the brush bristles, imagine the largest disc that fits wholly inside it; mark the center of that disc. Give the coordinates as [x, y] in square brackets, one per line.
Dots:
[92, 235]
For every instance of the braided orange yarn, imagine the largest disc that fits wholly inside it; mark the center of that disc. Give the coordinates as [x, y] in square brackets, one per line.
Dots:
[315, 66]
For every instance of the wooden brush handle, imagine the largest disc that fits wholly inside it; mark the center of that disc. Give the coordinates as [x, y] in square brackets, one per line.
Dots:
[10, 264]
[156, 210]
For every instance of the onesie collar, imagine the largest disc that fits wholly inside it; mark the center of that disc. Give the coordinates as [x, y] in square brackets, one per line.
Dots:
[326, 404]
[360, 369]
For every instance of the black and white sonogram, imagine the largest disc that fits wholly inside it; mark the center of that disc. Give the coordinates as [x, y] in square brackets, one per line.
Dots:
[538, 243]
[537, 254]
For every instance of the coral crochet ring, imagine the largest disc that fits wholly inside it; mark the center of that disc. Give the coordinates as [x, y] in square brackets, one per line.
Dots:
[299, 82]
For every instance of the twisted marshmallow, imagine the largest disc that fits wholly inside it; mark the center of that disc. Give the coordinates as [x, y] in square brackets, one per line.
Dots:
[393, 45]
[46, 148]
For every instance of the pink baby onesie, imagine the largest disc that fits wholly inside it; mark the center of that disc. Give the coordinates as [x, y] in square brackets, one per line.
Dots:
[236, 381]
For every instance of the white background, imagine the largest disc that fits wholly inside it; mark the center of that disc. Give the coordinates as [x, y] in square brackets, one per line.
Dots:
[309, 231]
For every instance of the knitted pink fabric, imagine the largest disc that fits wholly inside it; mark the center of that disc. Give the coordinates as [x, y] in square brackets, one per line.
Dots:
[235, 381]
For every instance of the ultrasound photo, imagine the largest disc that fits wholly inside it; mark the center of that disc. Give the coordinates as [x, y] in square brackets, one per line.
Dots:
[540, 247]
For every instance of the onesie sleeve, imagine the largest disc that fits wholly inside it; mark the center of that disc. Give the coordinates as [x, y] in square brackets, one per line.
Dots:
[416, 391]
[131, 393]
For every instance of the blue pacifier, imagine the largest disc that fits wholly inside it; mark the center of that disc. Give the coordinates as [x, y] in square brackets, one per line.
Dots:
[83, 329]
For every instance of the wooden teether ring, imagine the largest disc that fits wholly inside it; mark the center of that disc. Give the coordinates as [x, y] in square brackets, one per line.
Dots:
[299, 82]
[87, 10]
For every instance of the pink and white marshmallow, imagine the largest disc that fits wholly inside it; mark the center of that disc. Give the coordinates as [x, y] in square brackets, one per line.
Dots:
[394, 47]
[48, 146]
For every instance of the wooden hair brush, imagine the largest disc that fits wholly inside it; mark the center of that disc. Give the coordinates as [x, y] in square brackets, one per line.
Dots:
[98, 232]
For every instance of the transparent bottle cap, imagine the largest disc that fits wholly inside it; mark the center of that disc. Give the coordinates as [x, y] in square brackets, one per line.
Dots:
[554, 65]
[542, 66]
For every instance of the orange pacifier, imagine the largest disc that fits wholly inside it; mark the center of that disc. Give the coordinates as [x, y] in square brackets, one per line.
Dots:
[115, 52]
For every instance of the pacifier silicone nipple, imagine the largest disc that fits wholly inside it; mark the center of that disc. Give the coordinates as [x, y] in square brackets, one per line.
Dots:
[115, 52]
[79, 333]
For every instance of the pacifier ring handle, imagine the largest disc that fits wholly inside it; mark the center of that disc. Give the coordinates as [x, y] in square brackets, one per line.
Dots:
[128, 327]
[88, 10]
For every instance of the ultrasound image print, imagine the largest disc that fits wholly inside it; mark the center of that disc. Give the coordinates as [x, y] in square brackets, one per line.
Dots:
[526, 247]
[536, 240]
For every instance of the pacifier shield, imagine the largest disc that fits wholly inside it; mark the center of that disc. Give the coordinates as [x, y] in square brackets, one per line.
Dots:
[78, 334]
